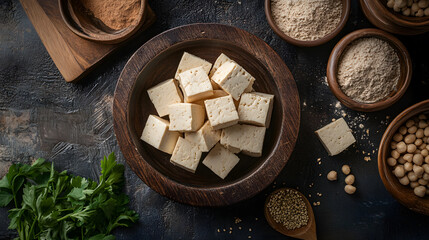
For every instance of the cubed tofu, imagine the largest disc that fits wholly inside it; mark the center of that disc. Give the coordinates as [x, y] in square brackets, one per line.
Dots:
[205, 138]
[219, 61]
[336, 137]
[221, 161]
[233, 79]
[190, 61]
[256, 108]
[186, 117]
[221, 112]
[156, 133]
[164, 94]
[216, 94]
[186, 155]
[195, 84]
[246, 138]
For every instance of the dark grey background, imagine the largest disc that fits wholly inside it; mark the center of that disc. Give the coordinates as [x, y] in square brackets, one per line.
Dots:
[71, 124]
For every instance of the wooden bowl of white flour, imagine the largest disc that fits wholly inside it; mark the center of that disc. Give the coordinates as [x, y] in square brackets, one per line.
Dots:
[307, 23]
[369, 70]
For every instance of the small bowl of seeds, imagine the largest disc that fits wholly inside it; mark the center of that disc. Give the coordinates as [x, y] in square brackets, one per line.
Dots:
[403, 158]
[307, 23]
[369, 70]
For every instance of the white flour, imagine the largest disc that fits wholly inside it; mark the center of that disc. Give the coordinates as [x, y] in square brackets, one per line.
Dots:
[368, 70]
[306, 20]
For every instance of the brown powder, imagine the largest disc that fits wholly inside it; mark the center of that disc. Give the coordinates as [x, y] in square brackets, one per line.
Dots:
[115, 14]
[368, 70]
[306, 20]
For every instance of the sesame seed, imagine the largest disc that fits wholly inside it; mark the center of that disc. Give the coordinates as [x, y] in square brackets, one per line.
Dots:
[288, 208]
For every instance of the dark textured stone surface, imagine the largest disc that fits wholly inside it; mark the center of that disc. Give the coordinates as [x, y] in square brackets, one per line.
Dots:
[71, 125]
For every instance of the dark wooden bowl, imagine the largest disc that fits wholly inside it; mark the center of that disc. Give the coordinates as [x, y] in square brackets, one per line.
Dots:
[344, 17]
[385, 18]
[405, 73]
[90, 28]
[404, 194]
[157, 61]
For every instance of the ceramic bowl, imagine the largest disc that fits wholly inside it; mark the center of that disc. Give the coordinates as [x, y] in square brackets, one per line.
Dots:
[405, 71]
[404, 194]
[157, 61]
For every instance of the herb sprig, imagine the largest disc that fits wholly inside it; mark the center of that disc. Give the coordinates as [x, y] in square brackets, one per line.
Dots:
[55, 205]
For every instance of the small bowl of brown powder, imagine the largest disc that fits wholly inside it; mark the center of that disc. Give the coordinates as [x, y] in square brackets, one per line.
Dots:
[369, 70]
[307, 23]
[107, 21]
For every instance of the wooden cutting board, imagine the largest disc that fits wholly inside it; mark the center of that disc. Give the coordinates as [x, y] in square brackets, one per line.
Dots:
[73, 55]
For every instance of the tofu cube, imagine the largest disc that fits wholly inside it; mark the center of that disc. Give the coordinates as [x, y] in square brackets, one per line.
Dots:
[221, 112]
[256, 108]
[246, 138]
[195, 84]
[216, 94]
[164, 94]
[186, 155]
[189, 61]
[336, 137]
[219, 61]
[220, 161]
[156, 133]
[186, 117]
[205, 138]
[233, 79]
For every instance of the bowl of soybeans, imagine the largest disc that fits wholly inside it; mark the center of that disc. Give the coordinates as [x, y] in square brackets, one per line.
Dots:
[404, 17]
[403, 157]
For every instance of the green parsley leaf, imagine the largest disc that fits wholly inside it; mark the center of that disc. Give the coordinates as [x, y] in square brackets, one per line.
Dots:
[55, 205]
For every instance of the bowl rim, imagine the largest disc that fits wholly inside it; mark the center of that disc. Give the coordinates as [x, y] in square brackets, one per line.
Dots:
[301, 43]
[253, 182]
[118, 37]
[335, 56]
[404, 194]
[402, 19]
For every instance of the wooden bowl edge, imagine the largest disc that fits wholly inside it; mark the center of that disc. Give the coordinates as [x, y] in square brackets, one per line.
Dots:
[300, 43]
[384, 171]
[331, 70]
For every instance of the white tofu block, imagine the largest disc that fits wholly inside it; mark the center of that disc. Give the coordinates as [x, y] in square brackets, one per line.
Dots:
[219, 61]
[205, 138]
[164, 94]
[186, 155]
[256, 108]
[190, 61]
[186, 117]
[220, 161]
[195, 84]
[156, 133]
[232, 78]
[336, 137]
[216, 94]
[221, 112]
[246, 138]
